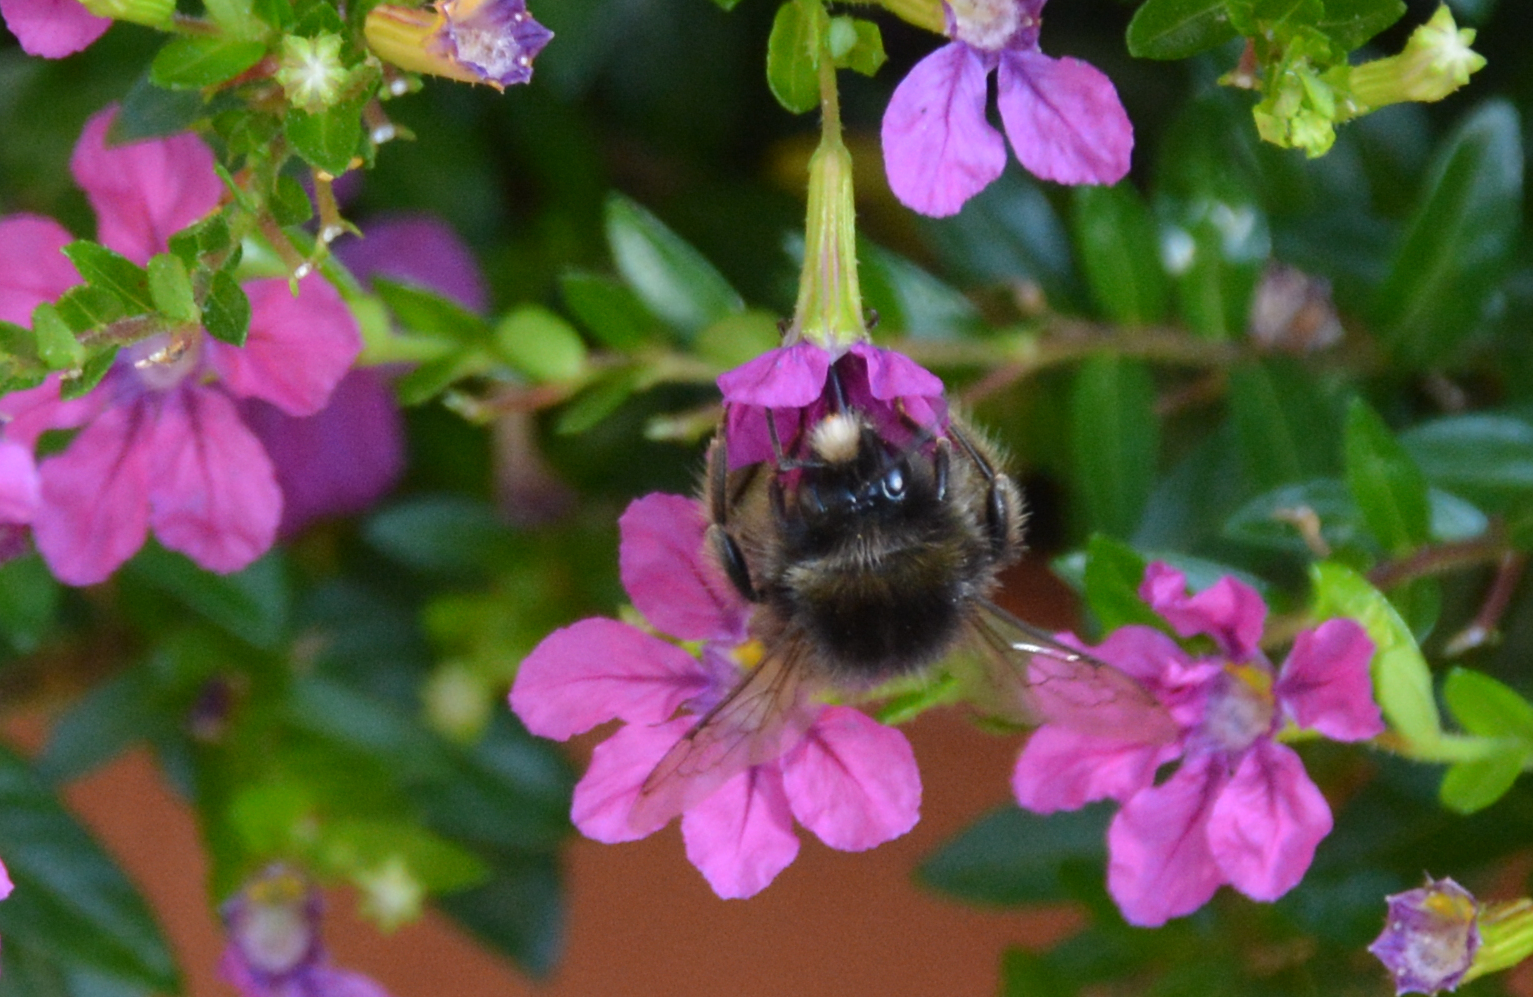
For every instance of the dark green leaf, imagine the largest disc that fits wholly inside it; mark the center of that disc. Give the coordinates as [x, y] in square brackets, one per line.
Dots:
[171, 288]
[226, 312]
[1285, 427]
[29, 601]
[19, 343]
[1028, 974]
[1459, 241]
[149, 111]
[673, 279]
[290, 202]
[251, 604]
[327, 139]
[1178, 29]
[608, 310]
[793, 55]
[100, 725]
[519, 912]
[1487, 708]
[597, 402]
[433, 377]
[857, 45]
[1471, 786]
[1389, 488]
[1120, 254]
[440, 534]
[909, 300]
[1115, 440]
[1269, 519]
[1013, 857]
[1008, 232]
[91, 373]
[1485, 458]
[191, 63]
[430, 314]
[85, 308]
[1113, 573]
[207, 237]
[113, 273]
[1350, 23]
[71, 902]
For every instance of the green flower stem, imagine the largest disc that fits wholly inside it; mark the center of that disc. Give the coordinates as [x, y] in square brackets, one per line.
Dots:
[1506, 937]
[1445, 750]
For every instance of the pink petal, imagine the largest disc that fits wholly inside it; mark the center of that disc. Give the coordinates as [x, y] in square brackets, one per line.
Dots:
[1266, 822]
[338, 461]
[788, 377]
[326, 981]
[416, 249]
[853, 781]
[1140, 652]
[32, 267]
[298, 348]
[1112, 702]
[742, 836]
[748, 438]
[1229, 610]
[1324, 685]
[30, 413]
[939, 150]
[606, 794]
[95, 497]
[1061, 769]
[670, 575]
[1064, 118]
[143, 192]
[6, 886]
[893, 375]
[599, 670]
[52, 28]
[214, 496]
[1159, 864]
[19, 486]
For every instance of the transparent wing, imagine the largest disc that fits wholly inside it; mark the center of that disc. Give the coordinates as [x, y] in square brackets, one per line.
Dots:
[1037, 679]
[756, 722]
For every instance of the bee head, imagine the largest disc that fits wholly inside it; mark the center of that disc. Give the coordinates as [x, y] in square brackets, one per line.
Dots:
[854, 472]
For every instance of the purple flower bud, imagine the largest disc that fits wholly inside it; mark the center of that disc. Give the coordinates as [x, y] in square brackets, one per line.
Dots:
[1430, 937]
[477, 41]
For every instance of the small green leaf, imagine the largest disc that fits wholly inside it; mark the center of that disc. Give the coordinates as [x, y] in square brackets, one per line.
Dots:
[251, 604]
[113, 273]
[192, 63]
[793, 55]
[100, 725]
[911, 300]
[359, 847]
[149, 111]
[1402, 682]
[91, 373]
[541, 345]
[85, 308]
[29, 601]
[1487, 708]
[171, 288]
[1013, 857]
[1475, 785]
[57, 346]
[672, 278]
[1350, 23]
[430, 314]
[1178, 29]
[736, 339]
[20, 343]
[857, 45]
[1111, 581]
[226, 312]
[445, 535]
[1389, 488]
[1120, 253]
[1459, 241]
[597, 402]
[327, 139]
[290, 202]
[1484, 457]
[608, 310]
[205, 238]
[1115, 440]
[433, 377]
[520, 911]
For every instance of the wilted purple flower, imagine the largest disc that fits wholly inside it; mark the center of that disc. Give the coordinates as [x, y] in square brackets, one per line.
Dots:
[1240, 809]
[477, 41]
[1430, 937]
[274, 944]
[847, 778]
[1063, 116]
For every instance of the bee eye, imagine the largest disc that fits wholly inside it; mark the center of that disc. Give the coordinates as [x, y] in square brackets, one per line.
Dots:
[894, 484]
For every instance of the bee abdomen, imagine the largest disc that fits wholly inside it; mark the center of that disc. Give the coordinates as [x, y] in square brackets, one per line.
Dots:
[869, 628]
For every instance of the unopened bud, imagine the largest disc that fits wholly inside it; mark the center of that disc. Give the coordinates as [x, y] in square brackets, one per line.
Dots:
[311, 72]
[1437, 60]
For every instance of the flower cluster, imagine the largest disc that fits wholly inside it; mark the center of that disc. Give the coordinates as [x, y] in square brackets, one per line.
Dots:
[1063, 116]
[1240, 808]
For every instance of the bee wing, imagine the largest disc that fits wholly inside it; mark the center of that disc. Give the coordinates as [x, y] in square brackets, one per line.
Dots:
[1051, 682]
[755, 723]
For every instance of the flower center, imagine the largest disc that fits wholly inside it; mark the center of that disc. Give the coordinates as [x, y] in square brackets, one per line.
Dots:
[162, 362]
[987, 24]
[1240, 707]
[273, 929]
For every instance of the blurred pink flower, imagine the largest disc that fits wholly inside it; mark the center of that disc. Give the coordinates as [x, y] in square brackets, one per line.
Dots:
[1240, 809]
[1062, 115]
[161, 443]
[847, 778]
[52, 28]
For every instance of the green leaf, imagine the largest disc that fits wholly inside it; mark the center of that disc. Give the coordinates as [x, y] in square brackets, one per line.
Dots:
[1115, 440]
[519, 912]
[1120, 253]
[29, 602]
[1402, 682]
[1350, 23]
[1284, 426]
[597, 402]
[793, 55]
[327, 139]
[85, 308]
[608, 310]
[71, 902]
[736, 339]
[1178, 29]
[540, 345]
[57, 346]
[1029, 974]
[446, 535]
[207, 237]
[1487, 708]
[171, 288]
[192, 63]
[290, 202]
[672, 278]
[226, 311]
[431, 314]
[433, 377]
[1215, 248]
[1475, 785]
[149, 111]
[1483, 457]
[910, 300]
[857, 45]
[1008, 232]
[358, 847]
[1459, 241]
[1389, 488]
[100, 725]
[91, 373]
[1266, 521]
[251, 604]
[1111, 579]
[1013, 857]
[113, 273]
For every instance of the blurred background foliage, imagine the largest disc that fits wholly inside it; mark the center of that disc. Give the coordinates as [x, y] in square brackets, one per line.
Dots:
[340, 702]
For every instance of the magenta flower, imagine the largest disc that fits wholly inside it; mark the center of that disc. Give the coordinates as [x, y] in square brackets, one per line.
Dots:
[794, 383]
[161, 442]
[1240, 809]
[18, 498]
[1062, 115]
[274, 945]
[52, 28]
[850, 780]
[1430, 937]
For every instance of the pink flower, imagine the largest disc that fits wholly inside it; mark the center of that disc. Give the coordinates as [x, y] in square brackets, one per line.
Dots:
[796, 385]
[52, 28]
[1062, 115]
[18, 498]
[161, 442]
[1240, 809]
[274, 945]
[850, 780]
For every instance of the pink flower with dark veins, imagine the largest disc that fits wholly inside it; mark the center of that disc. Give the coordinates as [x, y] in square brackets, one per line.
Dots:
[847, 778]
[1062, 115]
[161, 444]
[1240, 808]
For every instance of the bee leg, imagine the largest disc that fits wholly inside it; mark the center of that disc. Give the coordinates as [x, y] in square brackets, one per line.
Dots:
[998, 496]
[725, 548]
[940, 468]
